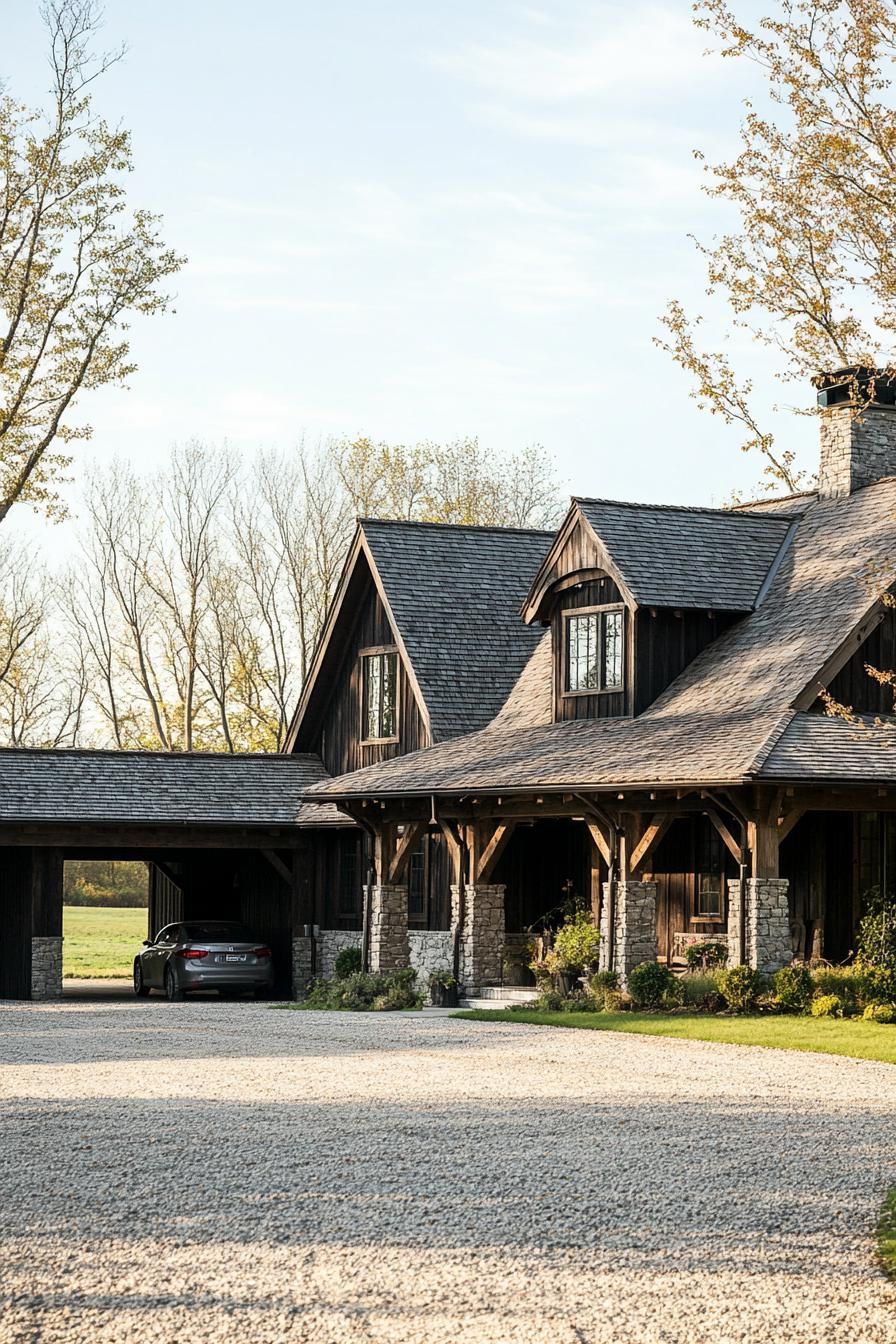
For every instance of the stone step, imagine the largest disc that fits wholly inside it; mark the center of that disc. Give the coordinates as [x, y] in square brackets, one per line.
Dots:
[497, 996]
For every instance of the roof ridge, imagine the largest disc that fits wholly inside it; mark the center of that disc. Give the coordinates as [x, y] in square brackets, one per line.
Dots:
[130, 753]
[459, 527]
[675, 508]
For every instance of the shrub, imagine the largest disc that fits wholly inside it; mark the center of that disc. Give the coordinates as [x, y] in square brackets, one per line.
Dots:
[649, 983]
[826, 1005]
[549, 1001]
[616, 1001]
[580, 1002]
[361, 993]
[348, 962]
[849, 984]
[602, 984]
[705, 955]
[442, 976]
[575, 944]
[740, 986]
[880, 1012]
[794, 988]
[876, 947]
[701, 991]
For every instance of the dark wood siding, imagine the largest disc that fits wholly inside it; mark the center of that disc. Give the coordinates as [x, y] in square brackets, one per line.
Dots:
[665, 642]
[15, 921]
[598, 592]
[817, 859]
[166, 900]
[852, 685]
[339, 736]
[536, 866]
[676, 870]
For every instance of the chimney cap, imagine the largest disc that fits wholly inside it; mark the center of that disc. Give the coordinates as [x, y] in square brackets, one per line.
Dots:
[856, 384]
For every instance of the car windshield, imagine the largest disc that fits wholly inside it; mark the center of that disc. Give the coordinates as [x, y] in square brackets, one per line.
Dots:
[219, 931]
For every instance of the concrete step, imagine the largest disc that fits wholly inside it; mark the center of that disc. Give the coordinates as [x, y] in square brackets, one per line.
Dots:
[497, 996]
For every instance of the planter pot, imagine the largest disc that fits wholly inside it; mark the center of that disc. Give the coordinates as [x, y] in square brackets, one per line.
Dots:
[443, 996]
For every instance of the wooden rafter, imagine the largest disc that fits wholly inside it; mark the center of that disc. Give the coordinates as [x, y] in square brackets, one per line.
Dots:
[651, 837]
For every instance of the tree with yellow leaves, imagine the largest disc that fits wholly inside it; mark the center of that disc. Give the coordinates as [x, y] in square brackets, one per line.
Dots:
[810, 269]
[75, 264]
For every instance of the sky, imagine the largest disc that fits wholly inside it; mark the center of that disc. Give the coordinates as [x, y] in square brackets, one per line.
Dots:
[419, 221]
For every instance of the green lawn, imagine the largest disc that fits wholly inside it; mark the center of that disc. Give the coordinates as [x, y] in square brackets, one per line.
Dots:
[886, 1234]
[824, 1035]
[100, 943]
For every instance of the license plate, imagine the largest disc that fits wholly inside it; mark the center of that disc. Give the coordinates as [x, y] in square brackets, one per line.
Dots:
[235, 957]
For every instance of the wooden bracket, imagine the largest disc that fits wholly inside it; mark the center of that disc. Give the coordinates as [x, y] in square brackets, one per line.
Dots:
[788, 821]
[600, 842]
[403, 850]
[651, 837]
[489, 855]
[278, 865]
[728, 839]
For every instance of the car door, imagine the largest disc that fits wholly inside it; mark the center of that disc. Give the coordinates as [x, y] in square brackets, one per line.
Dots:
[156, 956]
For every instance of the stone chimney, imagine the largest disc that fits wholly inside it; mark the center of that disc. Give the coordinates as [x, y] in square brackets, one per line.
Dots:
[858, 429]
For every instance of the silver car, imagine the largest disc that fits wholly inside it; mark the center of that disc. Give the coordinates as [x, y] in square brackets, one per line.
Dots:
[204, 954]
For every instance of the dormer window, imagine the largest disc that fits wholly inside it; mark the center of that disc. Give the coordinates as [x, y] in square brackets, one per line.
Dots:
[593, 651]
[380, 668]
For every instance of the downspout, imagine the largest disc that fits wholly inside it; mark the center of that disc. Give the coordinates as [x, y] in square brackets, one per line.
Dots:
[368, 894]
[612, 873]
[461, 905]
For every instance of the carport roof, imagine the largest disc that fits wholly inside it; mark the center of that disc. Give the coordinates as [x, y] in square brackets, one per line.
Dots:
[161, 788]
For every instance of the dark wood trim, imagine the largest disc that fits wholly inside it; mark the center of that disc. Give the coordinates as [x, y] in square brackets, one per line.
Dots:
[840, 657]
[493, 850]
[649, 840]
[376, 652]
[402, 848]
[728, 839]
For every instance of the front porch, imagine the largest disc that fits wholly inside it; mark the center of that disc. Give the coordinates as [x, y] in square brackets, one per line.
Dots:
[770, 874]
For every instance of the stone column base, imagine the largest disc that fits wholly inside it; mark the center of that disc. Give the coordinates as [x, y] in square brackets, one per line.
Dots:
[767, 925]
[482, 934]
[46, 968]
[389, 947]
[634, 931]
[302, 965]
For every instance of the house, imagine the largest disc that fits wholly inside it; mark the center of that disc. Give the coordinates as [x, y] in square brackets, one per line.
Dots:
[628, 713]
[663, 750]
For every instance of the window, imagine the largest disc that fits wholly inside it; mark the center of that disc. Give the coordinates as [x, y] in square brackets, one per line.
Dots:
[710, 871]
[594, 651]
[417, 885]
[380, 696]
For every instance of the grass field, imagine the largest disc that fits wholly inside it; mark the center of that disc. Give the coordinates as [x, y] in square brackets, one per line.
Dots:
[819, 1035]
[100, 943]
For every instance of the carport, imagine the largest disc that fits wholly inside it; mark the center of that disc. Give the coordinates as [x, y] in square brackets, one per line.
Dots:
[225, 836]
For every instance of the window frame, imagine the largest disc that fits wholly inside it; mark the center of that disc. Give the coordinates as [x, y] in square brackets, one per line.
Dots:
[601, 611]
[379, 651]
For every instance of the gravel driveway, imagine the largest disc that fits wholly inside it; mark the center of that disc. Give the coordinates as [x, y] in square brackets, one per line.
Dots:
[224, 1172]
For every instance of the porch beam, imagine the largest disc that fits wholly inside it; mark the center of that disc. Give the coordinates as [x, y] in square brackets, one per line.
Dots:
[728, 839]
[488, 859]
[763, 841]
[649, 840]
[402, 851]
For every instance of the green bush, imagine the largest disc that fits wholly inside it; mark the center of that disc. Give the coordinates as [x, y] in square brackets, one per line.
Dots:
[826, 1005]
[705, 955]
[884, 1013]
[740, 986]
[362, 993]
[602, 984]
[876, 947]
[794, 988]
[580, 1002]
[701, 991]
[549, 1001]
[575, 944]
[849, 984]
[650, 983]
[348, 962]
[616, 1001]
[443, 977]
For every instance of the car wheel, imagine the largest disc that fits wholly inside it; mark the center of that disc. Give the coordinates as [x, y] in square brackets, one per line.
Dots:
[141, 988]
[173, 991]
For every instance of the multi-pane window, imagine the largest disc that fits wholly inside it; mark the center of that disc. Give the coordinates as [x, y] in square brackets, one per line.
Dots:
[710, 871]
[417, 885]
[380, 695]
[594, 651]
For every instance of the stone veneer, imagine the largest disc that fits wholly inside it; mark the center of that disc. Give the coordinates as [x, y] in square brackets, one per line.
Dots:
[431, 950]
[330, 942]
[856, 449]
[46, 968]
[768, 945]
[482, 935]
[389, 949]
[634, 937]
